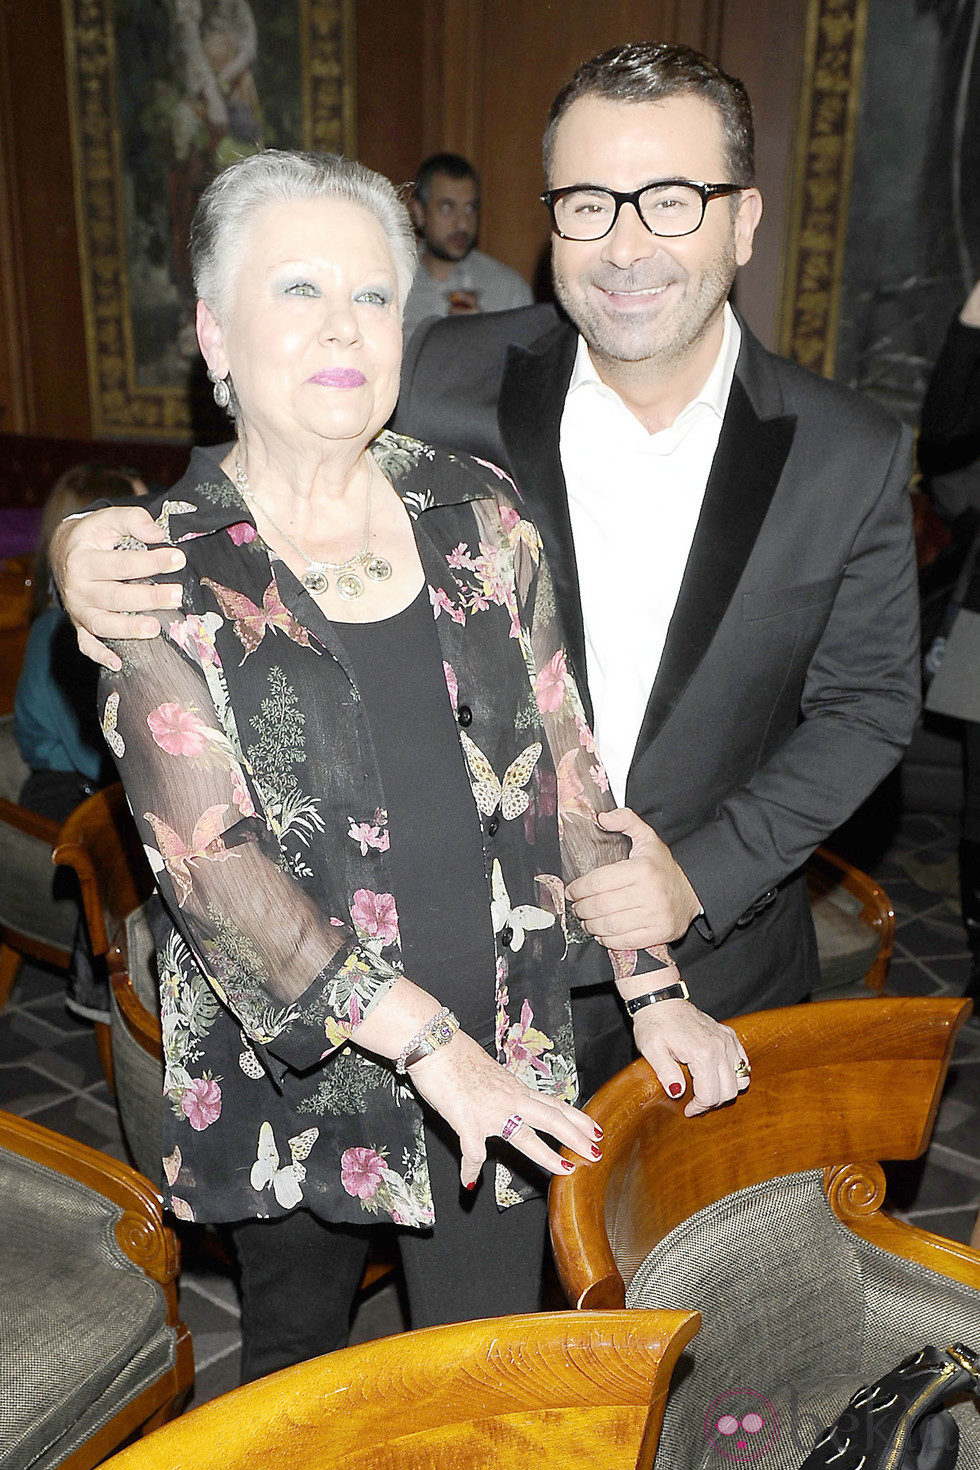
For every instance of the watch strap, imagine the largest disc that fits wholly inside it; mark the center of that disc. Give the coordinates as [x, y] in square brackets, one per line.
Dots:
[677, 991]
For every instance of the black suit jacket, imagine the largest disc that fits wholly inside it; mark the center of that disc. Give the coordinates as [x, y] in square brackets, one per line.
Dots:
[789, 683]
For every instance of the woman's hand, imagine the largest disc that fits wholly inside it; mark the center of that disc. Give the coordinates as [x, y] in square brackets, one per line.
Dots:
[675, 1032]
[93, 577]
[476, 1096]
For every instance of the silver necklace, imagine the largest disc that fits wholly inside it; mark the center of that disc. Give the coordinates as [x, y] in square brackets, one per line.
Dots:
[350, 584]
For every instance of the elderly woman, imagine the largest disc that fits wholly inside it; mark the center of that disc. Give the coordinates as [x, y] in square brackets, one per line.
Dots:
[363, 778]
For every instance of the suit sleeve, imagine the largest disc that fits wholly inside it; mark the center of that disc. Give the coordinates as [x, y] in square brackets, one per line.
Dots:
[858, 708]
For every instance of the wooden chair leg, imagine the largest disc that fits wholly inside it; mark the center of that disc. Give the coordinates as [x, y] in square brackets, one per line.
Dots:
[103, 1044]
[10, 963]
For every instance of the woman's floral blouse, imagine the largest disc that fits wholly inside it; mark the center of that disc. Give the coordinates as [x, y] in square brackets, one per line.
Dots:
[241, 741]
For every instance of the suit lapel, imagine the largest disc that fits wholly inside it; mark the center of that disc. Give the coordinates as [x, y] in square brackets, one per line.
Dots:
[748, 462]
[532, 396]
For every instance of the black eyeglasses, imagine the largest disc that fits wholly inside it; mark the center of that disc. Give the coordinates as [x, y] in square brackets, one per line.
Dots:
[668, 207]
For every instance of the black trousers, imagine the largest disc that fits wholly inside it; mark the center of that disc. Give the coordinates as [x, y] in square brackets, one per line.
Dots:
[299, 1275]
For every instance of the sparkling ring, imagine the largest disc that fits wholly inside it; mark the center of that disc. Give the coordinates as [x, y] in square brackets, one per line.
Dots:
[743, 1069]
[511, 1126]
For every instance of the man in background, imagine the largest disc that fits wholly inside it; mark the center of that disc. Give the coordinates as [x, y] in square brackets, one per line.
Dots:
[454, 277]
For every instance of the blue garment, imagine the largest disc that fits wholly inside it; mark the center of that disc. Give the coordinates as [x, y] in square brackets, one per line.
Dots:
[55, 721]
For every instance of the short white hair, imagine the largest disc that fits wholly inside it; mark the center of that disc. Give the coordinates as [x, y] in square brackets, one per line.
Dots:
[275, 176]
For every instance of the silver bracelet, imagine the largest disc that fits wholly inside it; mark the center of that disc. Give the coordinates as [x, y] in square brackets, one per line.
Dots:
[438, 1031]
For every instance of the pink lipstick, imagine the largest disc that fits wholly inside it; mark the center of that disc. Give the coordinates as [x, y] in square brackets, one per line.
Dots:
[339, 378]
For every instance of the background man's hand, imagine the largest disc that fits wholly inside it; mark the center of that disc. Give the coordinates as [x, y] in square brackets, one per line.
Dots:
[643, 901]
[95, 580]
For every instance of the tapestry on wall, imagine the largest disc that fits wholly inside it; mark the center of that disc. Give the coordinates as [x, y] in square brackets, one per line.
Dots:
[885, 228]
[162, 97]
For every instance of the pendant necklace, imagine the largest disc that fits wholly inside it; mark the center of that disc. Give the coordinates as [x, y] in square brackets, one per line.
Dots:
[349, 582]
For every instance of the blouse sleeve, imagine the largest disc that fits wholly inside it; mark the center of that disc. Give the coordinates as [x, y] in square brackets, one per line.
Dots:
[583, 788]
[296, 979]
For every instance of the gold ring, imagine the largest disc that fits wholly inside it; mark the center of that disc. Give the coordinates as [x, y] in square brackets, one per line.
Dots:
[743, 1069]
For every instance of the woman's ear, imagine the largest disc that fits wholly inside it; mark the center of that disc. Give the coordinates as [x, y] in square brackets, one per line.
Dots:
[211, 340]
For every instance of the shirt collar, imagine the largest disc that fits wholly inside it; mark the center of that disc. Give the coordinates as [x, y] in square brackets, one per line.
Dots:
[717, 385]
[206, 500]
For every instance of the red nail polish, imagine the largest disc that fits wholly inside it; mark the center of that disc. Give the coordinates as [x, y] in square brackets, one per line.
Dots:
[596, 1152]
[675, 1089]
[471, 1186]
[597, 1130]
[568, 1168]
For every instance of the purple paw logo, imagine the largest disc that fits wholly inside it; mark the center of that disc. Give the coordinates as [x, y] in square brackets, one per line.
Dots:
[740, 1424]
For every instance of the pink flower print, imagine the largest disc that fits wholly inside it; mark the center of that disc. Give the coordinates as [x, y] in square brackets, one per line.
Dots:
[452, 683]
[544, 802]
[181, 1209]
[177, 731]
[242, 533]
[549, 686]
[440, 600]
[496, 470]
[524, 1043]
[460, 558]
[361, 1172]
[509, 517]
[375, 915]
[196, 635]
[599, 776]
[201, 1103]
[369, 834]
[585, 736]
[241, 797]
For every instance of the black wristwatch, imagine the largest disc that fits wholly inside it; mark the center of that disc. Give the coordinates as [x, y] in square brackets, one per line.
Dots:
[677, 991]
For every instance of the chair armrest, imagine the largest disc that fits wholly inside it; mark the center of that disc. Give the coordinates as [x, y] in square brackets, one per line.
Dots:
[948, 1257]
[140, 1232]
[30, 823]
[142, 1026]
[825, 871]
[72, 855]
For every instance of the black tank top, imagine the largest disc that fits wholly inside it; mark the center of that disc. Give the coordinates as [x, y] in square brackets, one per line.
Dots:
[436, 853]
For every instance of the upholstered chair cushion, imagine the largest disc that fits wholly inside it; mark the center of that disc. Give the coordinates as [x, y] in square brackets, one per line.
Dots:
[82, 1329]
[139, 1076]
[846, 945]
[797, 1312]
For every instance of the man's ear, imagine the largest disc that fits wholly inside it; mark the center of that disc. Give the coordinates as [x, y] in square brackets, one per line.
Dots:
[747, 218]
[417, 210]
[211, 340]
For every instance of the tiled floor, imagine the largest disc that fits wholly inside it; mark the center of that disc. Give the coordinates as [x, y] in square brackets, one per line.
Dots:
[49, 1072]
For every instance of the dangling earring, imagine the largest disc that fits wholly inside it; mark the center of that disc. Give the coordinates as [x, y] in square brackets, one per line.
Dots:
[221, 390]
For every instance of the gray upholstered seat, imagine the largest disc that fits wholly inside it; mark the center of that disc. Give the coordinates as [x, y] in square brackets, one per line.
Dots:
[90, 1344]
[38, 903]
[780, 1280]
[138, 1074]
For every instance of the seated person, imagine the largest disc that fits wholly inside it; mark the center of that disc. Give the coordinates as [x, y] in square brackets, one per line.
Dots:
[55, 721]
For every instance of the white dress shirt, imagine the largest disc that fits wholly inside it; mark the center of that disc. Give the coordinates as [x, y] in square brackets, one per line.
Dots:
[634, 499]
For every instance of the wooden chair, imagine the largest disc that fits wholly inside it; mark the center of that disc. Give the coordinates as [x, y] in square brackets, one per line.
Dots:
[100, 841]
[92, 1348]
[557, 1389]
[765, 1217]
[38, 912]
[855, 926]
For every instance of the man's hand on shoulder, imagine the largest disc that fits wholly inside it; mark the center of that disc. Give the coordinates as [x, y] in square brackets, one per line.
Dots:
[643, 901]
[97, 581]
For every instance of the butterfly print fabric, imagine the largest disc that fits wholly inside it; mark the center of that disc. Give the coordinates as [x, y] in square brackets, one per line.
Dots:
[241, 739]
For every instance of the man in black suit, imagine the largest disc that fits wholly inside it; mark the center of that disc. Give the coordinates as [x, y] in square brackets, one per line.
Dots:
[783, 680]
[730, 536]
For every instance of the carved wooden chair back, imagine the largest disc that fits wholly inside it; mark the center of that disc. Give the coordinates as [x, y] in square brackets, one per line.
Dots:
[569, 1390]
[835, 1086]
[101, 842]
